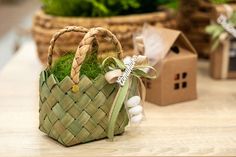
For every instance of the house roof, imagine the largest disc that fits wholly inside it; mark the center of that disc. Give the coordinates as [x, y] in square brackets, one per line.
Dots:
[170, 36]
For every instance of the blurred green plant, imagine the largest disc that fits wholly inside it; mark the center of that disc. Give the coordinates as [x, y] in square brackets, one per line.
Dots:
[215, 30]
[220, 1]
[173, 4]
[101, 8]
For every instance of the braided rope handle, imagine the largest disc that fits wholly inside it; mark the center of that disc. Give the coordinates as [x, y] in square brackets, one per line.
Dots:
[86, 45]
[58, 34]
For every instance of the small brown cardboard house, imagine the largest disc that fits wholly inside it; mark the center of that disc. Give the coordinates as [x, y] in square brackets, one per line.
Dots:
[177, 79]
[223, 60]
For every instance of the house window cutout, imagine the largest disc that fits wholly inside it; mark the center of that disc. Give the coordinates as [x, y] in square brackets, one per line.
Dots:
[184, 85]
[183, 81]
[184, 75]
[176, 87]
[177, 76]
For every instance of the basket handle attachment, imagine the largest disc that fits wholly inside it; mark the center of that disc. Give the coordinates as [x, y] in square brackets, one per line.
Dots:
[57, 35]
[86, 45]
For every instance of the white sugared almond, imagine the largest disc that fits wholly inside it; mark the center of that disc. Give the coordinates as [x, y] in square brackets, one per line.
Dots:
[136, 119]
[133, 101]
[136, 110]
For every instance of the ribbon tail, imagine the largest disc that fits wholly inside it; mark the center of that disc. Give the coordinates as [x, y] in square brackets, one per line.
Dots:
[142, 89]
[116, 107]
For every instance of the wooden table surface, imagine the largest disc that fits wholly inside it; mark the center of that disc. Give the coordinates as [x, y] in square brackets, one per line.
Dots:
[206, 126]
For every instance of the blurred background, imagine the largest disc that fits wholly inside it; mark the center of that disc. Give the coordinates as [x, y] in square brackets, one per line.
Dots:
[16, 20]
[23, 19]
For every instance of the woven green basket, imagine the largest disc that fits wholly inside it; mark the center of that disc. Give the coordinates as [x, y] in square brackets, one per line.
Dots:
[76, 110]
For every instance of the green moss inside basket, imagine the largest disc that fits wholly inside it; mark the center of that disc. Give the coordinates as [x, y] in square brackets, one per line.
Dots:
[62, 66]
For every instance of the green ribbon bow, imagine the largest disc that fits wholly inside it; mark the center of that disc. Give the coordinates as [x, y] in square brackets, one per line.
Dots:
[138, 71]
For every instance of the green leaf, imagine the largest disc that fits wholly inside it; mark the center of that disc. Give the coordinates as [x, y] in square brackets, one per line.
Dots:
[220, 1]
[232, 19]
[216, 34]
[100, 8]
[215, 45]
[215, 30]
[211, 28]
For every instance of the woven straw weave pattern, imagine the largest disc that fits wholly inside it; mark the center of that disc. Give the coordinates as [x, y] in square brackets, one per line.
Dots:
[73, 118]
